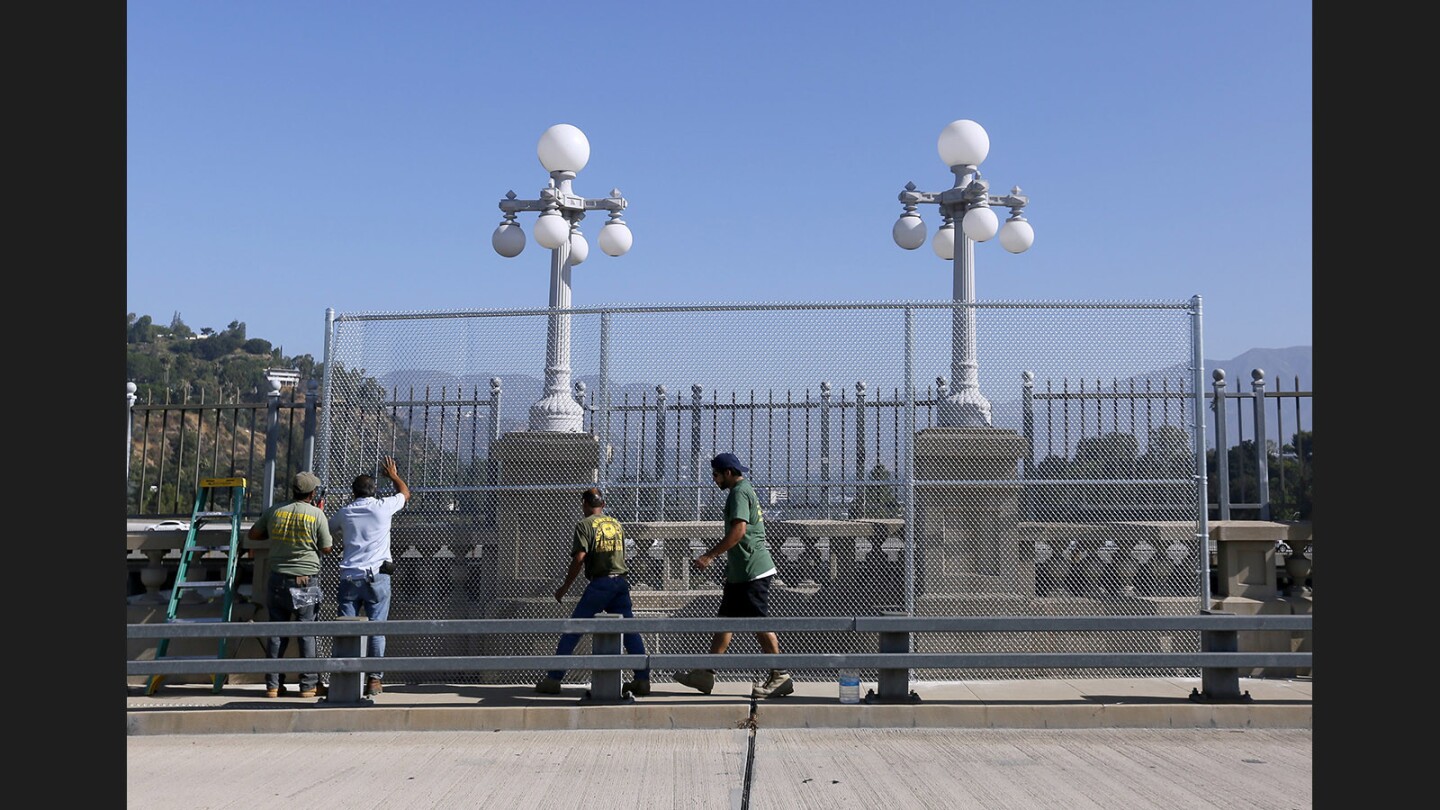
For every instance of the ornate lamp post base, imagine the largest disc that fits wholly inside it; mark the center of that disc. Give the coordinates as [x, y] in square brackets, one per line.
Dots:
[557, 412]
[967, 408]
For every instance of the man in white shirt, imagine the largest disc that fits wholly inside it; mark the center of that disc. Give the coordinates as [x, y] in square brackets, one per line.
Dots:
[363, 525]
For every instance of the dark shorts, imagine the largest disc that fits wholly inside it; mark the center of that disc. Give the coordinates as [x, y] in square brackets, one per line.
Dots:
[746, 598]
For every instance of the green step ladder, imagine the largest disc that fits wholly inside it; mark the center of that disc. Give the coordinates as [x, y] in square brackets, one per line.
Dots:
[206, 497]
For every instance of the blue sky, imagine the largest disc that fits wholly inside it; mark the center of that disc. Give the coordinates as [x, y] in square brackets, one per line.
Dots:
[286, 157]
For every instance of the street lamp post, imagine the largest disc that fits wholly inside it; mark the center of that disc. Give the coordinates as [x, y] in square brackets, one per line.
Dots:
[963, 146]
[563, 150]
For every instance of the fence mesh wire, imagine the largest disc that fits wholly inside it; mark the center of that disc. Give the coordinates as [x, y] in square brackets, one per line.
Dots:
[933, 459]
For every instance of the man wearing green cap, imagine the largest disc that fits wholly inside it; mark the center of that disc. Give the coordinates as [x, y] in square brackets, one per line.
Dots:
[298, 533]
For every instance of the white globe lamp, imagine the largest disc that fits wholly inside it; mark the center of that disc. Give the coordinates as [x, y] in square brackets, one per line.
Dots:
[563, 148]
[980, 223]
[551, 230]
[1017, 236]
[909, 231]
[963, 143]
[579, 248]
[944, 242]
[508, 239]
[615, 238]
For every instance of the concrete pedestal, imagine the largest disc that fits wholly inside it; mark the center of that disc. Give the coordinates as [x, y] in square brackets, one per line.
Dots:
[534, 526]
[966, 530]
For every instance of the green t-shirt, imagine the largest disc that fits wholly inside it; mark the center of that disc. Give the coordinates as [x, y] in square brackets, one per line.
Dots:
[295, 530]
[603, 542]
[749, 558]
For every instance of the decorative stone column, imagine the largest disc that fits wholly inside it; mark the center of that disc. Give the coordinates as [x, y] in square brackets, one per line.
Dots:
[530, 521]
[534, 521]
[967, 530]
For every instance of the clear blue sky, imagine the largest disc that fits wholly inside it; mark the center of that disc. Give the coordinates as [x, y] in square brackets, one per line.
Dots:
[286, 157]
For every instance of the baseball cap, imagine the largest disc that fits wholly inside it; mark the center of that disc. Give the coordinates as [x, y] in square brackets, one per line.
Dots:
[306, 482]
[728, 461]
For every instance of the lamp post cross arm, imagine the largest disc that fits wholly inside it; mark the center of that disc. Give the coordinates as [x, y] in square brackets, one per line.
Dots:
[573, 202]
[972, 193]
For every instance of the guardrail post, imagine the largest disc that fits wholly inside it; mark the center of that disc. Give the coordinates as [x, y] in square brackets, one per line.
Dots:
[345, 687]
[1219, 684]
[894, 684]
[605, 683]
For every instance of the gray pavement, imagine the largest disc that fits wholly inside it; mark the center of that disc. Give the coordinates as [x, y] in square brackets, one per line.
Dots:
[1065, 743]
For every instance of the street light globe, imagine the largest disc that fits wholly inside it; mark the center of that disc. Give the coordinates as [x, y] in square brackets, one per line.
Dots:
[963, 143]
[563, 148]
[1017, 236]
[615, 238]
[508, 240]
[980, 223]
[579, 248]
[909, 231]
[944, 242]
[551, 230]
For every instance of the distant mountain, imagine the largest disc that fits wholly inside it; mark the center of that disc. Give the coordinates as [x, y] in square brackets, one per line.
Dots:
[1281, 367]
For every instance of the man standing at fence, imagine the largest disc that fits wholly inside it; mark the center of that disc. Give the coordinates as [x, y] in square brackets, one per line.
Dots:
[749, 570]
[298, 535]
[598, 546]
[365, 564]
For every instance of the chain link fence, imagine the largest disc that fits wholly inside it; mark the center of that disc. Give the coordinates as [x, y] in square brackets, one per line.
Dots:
[943, 459]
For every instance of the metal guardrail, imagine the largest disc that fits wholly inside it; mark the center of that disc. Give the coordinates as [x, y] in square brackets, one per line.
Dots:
[1219, 658]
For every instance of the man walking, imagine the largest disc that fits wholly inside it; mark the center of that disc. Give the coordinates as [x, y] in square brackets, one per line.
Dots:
[598, 546]
[298, 535]
[749, 570]
[364, 527]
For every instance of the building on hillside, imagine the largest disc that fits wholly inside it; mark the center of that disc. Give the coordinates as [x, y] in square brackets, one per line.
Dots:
[287, 377]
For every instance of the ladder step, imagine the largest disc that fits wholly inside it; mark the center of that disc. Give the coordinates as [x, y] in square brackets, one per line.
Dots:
[213, 514]
[198, 620]
[219, 583]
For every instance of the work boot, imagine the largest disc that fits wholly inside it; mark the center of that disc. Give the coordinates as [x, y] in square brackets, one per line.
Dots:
[373, 687]
[701, 679]
[639, 687]
[548, 686]
[778, 684]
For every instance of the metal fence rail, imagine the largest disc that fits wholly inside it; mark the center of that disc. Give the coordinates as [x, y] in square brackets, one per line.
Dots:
[1218, 659]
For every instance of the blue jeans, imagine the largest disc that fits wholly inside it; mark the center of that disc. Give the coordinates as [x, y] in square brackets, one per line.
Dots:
[373, 595]
[281, 609]
[603, 595]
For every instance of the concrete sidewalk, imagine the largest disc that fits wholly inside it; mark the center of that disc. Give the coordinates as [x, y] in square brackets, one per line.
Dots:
[988, 745]
[1075, 703]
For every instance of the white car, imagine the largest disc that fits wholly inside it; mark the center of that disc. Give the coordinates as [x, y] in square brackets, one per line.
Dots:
[169, 525]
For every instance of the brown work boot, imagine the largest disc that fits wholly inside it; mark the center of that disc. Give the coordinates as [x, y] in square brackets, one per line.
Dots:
[701, 679]
[373, 687]
[778, 684]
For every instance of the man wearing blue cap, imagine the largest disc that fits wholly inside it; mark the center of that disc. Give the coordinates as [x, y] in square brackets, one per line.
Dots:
[749, 570]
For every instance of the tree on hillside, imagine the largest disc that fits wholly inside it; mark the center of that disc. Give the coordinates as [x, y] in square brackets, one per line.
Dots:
[178, 329]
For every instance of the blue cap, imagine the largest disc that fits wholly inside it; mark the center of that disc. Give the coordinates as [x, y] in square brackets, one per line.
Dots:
[728, 461]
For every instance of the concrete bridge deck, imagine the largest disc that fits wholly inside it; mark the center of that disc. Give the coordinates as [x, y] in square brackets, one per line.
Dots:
[996, 745]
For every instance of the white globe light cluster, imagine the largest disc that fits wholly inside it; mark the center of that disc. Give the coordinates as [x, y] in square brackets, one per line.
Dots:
[964, 143]
[562, 148]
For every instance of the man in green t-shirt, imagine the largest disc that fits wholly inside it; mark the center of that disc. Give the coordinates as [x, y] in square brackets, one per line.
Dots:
[749, 570]
[598, 546]
[298, 533]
